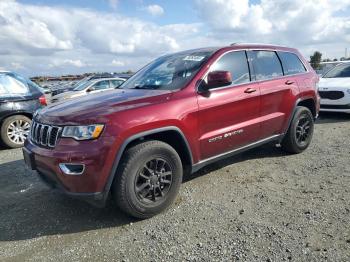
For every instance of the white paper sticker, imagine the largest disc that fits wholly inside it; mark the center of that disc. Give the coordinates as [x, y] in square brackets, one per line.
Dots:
[193, 58]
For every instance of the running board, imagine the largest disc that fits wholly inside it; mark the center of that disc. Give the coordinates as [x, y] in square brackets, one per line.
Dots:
[213, 159]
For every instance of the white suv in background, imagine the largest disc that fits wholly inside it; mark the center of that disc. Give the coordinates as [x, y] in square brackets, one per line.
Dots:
[89, 87]
[334, 89]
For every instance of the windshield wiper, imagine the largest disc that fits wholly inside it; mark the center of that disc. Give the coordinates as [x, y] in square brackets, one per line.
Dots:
[146, 87]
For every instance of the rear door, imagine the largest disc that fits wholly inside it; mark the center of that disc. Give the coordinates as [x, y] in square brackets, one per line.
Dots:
[228, 116]
[277, 91]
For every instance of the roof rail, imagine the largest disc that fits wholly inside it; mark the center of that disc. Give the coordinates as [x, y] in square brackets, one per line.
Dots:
[261, 44]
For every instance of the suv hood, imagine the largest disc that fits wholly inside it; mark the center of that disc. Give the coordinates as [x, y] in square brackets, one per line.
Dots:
[338, 82]
[95, 108]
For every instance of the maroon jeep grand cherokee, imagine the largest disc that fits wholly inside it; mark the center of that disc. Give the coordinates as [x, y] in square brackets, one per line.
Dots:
[176, 115]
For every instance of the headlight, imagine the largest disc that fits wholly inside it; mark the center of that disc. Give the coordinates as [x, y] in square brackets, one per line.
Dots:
[83, 132]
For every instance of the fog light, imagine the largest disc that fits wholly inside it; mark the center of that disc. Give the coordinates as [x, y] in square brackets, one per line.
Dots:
[72, 169]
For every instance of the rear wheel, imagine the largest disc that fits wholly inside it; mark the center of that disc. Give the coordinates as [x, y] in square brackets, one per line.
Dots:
[300, 132]
[14, 130]
[148, 179]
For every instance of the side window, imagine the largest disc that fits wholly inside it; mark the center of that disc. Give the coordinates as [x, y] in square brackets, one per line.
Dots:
[236, 63]
[116, 83]
[10, 86]
[101, 85]
[291, 63]
[266, 64]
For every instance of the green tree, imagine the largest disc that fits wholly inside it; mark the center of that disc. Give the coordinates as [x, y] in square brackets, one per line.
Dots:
[315, 59]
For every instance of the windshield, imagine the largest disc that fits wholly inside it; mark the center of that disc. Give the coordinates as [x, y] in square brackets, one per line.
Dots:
[342, 70]
[33, 86]
[82, 86]
[169, 72]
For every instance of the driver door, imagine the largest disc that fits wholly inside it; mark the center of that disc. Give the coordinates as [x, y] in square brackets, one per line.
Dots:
[229, 115]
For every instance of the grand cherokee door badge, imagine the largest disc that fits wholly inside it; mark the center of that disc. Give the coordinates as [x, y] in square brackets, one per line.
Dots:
[226, 135]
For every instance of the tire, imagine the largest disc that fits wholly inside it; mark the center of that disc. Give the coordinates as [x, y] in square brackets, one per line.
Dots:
[297, 140]
[135, 172]
[8, 125]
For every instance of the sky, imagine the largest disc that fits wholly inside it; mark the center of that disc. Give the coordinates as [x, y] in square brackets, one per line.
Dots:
[55, 37]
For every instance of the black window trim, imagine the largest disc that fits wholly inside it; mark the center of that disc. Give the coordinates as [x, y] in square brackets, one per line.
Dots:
[251, 69]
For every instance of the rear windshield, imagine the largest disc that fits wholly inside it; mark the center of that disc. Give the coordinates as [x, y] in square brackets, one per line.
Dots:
[169, 72]
[12, 84]
[342, 70]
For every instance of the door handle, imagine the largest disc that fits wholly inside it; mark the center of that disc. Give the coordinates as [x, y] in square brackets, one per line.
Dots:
[289, 82]
[250, 90]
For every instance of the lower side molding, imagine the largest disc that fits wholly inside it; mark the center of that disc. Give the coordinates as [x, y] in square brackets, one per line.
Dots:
[236, 151]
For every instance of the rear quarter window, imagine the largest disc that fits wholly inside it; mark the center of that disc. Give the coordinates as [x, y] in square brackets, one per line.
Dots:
[266, 64]
[291, 63]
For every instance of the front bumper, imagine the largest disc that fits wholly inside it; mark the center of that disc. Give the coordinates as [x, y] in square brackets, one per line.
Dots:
[334, 104]
[95, 155]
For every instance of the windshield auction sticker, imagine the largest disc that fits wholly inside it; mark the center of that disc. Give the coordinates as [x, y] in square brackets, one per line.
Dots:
[193, 58]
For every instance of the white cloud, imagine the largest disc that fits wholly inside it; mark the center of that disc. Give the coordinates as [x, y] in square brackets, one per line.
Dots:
[40, 35]
[113, 3]
[67, 62]
[39, 39]
[117, 63]
[155, 10]
[303, 24]
[16, 65]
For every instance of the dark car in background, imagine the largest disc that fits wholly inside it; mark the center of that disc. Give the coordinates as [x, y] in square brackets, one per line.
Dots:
[19, 99]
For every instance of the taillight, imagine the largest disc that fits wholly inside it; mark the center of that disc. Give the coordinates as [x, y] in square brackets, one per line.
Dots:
[42, 100]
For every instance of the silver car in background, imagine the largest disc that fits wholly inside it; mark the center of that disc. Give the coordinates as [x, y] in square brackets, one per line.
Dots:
[89, 87]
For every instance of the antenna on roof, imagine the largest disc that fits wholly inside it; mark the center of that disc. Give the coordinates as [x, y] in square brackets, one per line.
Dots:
[233, 44]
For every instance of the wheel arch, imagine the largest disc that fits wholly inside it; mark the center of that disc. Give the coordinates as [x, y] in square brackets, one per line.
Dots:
[171, 135]
[310, 104]
[15, 113]
[307, 102]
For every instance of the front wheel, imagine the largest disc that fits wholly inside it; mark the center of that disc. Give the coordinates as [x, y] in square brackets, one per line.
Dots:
[14, 130]
[300, 132]
[148, 179]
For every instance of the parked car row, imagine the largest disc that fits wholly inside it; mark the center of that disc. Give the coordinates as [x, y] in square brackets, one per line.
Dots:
[86, 87]
[58, 89]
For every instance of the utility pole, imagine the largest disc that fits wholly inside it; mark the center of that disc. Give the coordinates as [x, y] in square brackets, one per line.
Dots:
[346, 52]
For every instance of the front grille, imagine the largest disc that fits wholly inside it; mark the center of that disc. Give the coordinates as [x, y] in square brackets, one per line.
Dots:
[44, 135]
[332, 95]
[335, 106]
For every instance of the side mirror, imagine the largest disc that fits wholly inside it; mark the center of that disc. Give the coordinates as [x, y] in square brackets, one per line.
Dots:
[91, 88]
[219, 78]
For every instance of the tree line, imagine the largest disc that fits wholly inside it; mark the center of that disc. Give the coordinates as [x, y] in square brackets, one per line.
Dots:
[316, 59]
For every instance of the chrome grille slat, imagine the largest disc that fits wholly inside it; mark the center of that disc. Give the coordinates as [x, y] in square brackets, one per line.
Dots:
[36, 133]
[44, 135]
[48, 135]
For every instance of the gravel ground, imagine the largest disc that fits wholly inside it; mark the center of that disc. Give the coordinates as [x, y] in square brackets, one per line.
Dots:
[262, 205]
